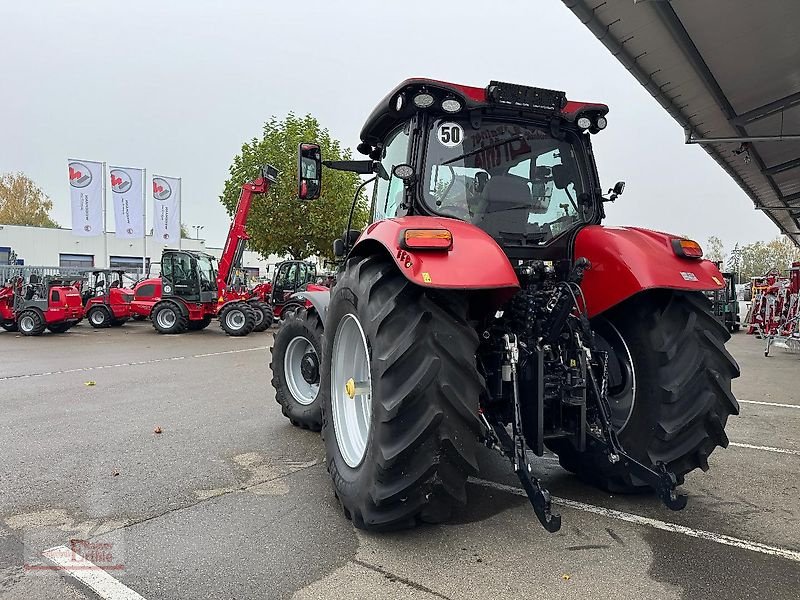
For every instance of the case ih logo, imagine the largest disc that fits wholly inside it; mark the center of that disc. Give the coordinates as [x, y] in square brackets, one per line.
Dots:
[161, 189]
[120, 181]
[79, 175]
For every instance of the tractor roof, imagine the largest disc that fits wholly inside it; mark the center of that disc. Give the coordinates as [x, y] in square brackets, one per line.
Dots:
[398, 105]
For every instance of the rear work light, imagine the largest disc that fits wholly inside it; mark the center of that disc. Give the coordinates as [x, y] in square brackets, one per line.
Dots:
[427, 239]
[687, 248]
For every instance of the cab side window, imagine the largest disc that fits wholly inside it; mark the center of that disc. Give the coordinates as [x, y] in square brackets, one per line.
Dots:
[388, 193]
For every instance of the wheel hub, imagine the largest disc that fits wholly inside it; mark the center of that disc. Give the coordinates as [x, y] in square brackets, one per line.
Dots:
[309, 367]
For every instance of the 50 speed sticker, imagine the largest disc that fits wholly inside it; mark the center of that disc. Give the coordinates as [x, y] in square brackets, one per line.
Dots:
[450, 134]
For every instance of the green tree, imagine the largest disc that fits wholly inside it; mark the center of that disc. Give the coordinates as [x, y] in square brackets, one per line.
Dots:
[715, 249]
[22, 202]
[761, 257]
[279, 223]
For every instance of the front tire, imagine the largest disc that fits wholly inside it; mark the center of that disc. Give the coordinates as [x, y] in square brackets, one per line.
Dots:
[30, 323]
[60, 327]
[237, 319]
[99, 317]
[674, 357]
[295, 366]
[263, 314]
[400, 424]
[200, 325]
[167, 318]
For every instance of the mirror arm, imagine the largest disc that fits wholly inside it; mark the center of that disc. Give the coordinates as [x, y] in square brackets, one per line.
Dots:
[352, 210]
[362, 167]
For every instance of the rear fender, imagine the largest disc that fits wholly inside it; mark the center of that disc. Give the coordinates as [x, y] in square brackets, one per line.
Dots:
[629, 260]
[474, 262]
[319, 300]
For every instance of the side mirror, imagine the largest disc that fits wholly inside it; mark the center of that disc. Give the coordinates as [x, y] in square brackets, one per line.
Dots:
[338, 248]
[309, 171]
[616, 191]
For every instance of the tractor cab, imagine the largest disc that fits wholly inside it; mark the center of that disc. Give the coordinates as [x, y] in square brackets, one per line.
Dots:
[189, 275]
[292, 276]
[515, 161]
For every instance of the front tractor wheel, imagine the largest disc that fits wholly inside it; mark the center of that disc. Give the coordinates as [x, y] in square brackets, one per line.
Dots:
[99, 317]
[669, 388]
[263, 314]
[295, 366]
[399, 396]
[167, 317]
[237, 319]
[30, 322]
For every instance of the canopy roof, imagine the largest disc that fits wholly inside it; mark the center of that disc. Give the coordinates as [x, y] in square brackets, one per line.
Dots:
[726, 69]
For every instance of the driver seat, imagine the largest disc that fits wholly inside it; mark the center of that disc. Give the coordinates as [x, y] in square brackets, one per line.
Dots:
[506, 205]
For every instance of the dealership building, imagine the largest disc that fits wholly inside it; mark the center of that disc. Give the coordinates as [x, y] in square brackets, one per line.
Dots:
[46, 247]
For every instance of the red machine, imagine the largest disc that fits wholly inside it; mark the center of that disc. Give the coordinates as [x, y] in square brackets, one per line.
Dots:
[37, 303]
[486, 305]
[145, 295]
[292, 276]
[194, 290]
[106, 300]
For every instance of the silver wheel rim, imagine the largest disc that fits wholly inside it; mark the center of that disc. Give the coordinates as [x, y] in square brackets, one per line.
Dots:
[235, 319]
[166, 318]
[623, 400]
[97, 318]
[351, 390]
[302, 391]
[26, 323]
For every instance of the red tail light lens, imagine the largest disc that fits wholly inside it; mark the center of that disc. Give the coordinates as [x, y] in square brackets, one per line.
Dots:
[427, 239]
[687, 248]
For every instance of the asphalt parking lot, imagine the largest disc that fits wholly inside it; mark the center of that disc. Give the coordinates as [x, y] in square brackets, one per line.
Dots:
[230, 501]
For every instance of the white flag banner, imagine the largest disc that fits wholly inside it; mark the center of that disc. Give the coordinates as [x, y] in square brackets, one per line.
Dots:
[127, 194]
[86, 196]
[166, 209]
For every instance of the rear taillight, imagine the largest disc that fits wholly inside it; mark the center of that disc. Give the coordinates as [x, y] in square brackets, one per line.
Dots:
[427, 239]
[687, 248]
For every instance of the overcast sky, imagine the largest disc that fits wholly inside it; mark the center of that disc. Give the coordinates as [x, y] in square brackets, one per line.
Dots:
[176, 86]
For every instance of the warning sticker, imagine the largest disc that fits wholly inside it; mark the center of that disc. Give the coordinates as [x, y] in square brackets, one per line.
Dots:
[688, 276]
[450, 134]
[717, 281]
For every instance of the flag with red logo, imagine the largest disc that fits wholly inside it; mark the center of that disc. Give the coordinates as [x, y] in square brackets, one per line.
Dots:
[166, 209]
[127, 195]
[86, 195]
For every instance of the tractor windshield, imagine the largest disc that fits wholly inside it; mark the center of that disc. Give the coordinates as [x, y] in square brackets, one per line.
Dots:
[513, 180]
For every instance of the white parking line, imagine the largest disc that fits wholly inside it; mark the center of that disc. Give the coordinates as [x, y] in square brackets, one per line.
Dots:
[89, 574]
[130, 364]
[770, 404]
[766, 448]
[718, 538]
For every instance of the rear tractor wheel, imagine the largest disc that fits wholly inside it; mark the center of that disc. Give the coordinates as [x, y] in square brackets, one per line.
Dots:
[59, 327]
[399, 395]
[669, 388]
[237, 319]
[295, 366]
[30, 322]
[167, 317]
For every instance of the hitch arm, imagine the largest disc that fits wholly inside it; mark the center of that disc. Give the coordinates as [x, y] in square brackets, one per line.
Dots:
[663, 481]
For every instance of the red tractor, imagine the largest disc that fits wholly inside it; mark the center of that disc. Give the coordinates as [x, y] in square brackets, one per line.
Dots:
[106, 300]
[194, 290]
[486, 305]
[145, 295]
[31, 303]
[293, 276]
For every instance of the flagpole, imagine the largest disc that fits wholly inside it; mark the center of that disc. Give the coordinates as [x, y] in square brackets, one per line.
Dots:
[180, 211]
[105, 219]
[144, 223]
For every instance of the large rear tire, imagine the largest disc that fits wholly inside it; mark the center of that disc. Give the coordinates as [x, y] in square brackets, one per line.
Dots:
[669, 389]
[399, 395]
[30, 322]
[167, 317]
[237, 319]
[295, 366]
[263, 314]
